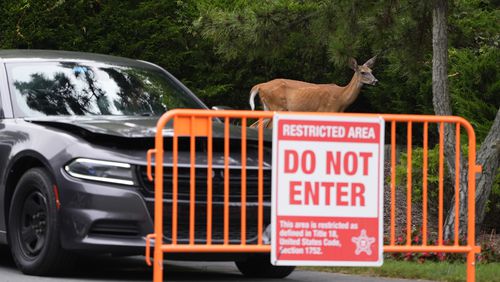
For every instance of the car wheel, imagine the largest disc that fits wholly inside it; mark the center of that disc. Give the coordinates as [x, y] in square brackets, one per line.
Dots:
[260, 266]
[33, 226]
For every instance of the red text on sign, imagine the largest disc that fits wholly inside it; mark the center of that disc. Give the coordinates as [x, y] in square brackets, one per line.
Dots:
[306, 161]
[327, 193]
[349, 162]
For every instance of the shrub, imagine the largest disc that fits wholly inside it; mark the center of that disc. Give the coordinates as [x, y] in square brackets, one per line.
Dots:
[489, 250]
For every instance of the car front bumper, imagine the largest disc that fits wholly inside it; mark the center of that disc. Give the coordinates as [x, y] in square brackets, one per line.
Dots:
[102, 217]
[106, 218]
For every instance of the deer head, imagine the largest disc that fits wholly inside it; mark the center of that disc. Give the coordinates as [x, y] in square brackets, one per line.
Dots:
[364, 71]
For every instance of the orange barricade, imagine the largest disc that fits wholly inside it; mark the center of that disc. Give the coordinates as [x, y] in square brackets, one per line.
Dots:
[192, 125]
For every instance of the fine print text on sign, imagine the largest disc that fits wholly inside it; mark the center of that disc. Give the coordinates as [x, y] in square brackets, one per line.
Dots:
[327, 190]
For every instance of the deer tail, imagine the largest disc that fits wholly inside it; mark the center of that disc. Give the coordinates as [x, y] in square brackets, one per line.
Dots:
[254, 92]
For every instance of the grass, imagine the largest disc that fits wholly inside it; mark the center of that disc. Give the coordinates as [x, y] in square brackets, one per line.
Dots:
[436, 271]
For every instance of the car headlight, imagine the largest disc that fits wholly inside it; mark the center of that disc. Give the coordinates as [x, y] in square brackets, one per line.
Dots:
[112, 172]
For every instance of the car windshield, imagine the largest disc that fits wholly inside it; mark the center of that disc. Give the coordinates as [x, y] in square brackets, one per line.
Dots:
[90, 88]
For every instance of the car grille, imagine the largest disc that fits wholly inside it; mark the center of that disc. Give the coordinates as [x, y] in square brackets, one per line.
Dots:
[217, 203]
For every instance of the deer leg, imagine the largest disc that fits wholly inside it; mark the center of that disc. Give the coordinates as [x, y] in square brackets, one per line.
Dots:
[268, 123]
[263, 102]
[265, 106]
[254, 125]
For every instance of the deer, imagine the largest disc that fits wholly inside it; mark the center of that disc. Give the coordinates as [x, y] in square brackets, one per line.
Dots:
[299, 96]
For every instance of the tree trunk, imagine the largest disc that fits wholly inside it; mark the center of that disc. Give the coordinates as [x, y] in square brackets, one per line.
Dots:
[488, 157]
[441, 97]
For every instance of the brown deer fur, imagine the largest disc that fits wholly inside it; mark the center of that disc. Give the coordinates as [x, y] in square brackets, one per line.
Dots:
[293, 95]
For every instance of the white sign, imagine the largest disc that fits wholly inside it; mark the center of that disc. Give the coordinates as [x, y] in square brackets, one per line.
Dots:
[327, 190]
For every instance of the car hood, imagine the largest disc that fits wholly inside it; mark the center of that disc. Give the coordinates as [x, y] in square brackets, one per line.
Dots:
[131, 127]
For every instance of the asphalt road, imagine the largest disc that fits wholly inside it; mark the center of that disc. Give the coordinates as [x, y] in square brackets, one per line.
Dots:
[134, 269]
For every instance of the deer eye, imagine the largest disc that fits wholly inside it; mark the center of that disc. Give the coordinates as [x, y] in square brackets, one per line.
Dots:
[363, 72]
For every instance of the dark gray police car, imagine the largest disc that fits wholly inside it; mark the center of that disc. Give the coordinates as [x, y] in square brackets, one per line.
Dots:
[74, 130]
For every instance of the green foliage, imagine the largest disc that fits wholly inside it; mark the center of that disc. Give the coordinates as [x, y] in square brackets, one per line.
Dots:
[493, 204]
[473, 62]
[489, 250]
[475, 24]
[417, 161]
[156, 31]
[222, 48]
[257, 30]
[475, 86]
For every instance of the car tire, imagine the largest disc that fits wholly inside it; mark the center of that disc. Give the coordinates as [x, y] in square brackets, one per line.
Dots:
[34, 226]
[260, 266]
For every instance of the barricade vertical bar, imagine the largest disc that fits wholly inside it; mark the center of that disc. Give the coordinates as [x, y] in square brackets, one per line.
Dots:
[424, 188]
[457, 182]
[192, 182]
[471, 203]
[393, 182]
[209, 181]
[175, 185]
[243, 180]
[226, 180]
[260, 193]
[158, 219]
[471, 266]
[441, 183]
[408, 184]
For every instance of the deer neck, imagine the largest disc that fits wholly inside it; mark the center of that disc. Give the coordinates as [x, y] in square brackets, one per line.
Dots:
[351, 90]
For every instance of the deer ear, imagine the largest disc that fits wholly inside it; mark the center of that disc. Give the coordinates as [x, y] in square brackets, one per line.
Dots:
[353, 64]
[371, 62]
